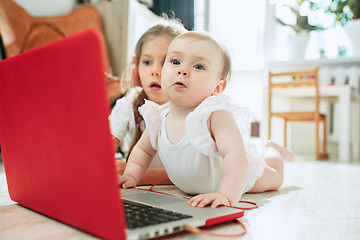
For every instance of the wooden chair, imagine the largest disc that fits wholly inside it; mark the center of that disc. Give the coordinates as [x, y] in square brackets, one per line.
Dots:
[298, 79]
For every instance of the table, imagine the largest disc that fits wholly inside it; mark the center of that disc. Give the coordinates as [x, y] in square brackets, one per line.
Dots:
[346, 95]
[349, 123]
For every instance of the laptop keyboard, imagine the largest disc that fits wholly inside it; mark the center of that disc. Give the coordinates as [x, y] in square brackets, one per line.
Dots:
[140, 215]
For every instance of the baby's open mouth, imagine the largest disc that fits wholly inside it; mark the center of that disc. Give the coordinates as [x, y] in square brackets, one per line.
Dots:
[179, 84]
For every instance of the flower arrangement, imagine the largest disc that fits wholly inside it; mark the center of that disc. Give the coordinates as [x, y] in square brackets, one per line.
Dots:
[302, 24]
[344, 10]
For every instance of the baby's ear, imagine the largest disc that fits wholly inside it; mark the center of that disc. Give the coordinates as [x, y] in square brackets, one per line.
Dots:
[219, 88]
[136, 77]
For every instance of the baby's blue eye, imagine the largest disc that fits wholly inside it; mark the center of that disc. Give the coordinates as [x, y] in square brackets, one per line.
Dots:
[146, 62]
[199, 67]
[175, 62]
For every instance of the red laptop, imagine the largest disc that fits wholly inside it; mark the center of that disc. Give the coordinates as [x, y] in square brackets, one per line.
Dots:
[58, 152]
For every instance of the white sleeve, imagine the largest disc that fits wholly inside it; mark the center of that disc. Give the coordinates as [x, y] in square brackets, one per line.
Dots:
[151, 115]
[121, 118]
[196, 123]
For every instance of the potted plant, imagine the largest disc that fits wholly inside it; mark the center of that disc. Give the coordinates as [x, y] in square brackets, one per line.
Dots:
[301, 26]
[347, 14]
[344, 10]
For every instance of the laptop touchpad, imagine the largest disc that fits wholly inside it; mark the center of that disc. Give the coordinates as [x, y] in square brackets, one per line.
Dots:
[149, 197]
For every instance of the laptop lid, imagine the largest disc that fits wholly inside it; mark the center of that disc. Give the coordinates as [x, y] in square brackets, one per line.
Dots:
[55, 137]
[57, 147]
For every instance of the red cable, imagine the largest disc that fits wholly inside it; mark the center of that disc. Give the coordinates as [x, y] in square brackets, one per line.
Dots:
[255, 205]
[158, 182]
[198, 230]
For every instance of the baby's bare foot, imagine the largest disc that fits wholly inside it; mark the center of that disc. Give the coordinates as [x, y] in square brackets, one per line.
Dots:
[286, 154]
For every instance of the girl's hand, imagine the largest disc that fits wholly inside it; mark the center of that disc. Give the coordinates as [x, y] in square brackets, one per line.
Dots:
[127, 181]
[215, 199]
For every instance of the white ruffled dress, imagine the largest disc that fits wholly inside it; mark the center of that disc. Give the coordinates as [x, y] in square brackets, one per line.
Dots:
[194, 164]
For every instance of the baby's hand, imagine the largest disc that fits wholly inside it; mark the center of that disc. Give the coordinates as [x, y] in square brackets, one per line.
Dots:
[127, 181]
[120, 166]
[215, 199]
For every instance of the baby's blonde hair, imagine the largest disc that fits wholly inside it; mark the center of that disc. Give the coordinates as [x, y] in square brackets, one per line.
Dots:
[203, 36]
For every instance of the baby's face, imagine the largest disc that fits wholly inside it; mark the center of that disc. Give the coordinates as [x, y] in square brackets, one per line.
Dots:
[191, 71]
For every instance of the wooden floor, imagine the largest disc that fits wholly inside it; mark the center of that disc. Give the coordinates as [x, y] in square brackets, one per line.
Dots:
[318, 200]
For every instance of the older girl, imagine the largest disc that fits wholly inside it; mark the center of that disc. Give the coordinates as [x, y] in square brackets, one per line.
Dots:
[126, 122]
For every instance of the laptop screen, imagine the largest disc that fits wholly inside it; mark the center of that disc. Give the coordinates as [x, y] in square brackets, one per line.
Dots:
[54, 134]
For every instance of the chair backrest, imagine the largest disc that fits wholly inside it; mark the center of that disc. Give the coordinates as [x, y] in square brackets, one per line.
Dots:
[295, 79]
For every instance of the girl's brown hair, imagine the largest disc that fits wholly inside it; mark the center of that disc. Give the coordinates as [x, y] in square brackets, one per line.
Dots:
[168, 27]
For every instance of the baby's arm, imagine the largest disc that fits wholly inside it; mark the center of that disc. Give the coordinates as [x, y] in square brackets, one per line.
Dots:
[229, 142]
[151, 176]
[139, 160]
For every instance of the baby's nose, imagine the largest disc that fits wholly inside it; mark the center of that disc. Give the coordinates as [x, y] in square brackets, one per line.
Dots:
[182, 73]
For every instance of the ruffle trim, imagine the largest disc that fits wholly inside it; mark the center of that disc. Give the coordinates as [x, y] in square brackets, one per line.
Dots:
[196, 122]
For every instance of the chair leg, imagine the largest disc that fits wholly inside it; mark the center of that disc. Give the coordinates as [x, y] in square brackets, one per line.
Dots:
[269, 126]
[285, 128]
[317, 140]
[324, 154]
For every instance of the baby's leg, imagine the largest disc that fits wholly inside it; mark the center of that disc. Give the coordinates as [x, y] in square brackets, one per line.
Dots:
[273, 174]
[286, 154]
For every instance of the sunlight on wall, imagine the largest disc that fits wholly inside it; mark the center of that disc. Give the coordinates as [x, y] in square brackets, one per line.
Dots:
[239, 25]
[44, 8]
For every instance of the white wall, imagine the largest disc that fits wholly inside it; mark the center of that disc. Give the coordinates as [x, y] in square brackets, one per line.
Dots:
[239, 25]
[46, 8]
[246, 89]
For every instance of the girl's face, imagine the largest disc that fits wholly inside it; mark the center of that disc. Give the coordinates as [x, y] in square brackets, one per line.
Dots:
[192, 72]
[151, 61]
